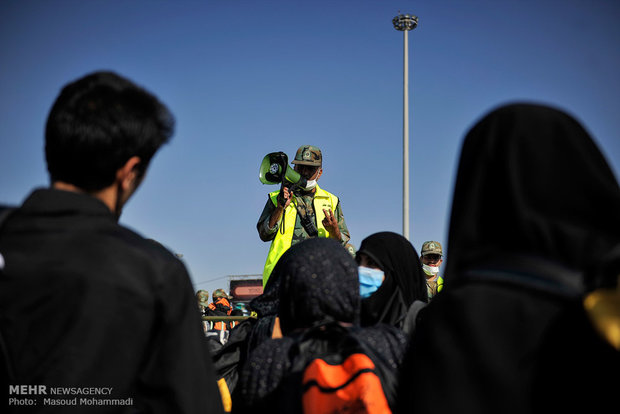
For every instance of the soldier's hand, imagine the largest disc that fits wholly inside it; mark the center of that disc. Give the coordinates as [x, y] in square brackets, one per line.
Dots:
[284, 198]
[331, 224]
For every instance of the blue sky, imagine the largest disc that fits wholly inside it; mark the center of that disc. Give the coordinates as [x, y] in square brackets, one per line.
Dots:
[245, 78]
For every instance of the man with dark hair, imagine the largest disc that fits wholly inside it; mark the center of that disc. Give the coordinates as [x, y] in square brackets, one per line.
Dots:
[87, 305]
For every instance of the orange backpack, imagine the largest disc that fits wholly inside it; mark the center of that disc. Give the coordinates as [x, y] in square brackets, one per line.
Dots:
[343, 378]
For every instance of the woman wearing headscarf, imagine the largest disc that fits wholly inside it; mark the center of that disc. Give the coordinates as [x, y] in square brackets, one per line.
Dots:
[535, 206]
[245, 337]
[319, 313]
[391, 278]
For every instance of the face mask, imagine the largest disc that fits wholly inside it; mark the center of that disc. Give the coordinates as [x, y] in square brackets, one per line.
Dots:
[310, 185]
[370, 280]
[430, 270]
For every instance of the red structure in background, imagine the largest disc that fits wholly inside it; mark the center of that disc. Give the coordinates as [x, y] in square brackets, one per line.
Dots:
[245, 288]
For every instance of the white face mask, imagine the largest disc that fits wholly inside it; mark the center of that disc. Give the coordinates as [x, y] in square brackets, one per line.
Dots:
[430, 270]
[310, 185]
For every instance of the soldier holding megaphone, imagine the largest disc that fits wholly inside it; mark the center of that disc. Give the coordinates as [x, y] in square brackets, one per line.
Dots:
[300, 209]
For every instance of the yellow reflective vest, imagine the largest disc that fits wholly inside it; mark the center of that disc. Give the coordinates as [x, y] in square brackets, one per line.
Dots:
[284, 235]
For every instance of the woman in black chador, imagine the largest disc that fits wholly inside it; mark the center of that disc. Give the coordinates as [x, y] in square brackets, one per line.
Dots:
[319, 312]
[403, 284]
[535, 216]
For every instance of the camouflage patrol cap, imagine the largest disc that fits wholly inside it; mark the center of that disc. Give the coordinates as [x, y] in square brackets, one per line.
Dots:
[220, 293]
[350, 248]
[308, 155]
[431, 247]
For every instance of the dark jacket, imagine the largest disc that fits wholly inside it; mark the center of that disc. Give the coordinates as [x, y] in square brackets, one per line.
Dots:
[535, 205]
[85, 302]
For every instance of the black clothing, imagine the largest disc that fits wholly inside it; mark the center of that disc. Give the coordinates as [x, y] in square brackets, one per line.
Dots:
[404, 281]
[319, 293]
[319, 284]
[531, 181]
[272, 380]
[85, 302]
[245, 338]
[266, 307]
[220, 307]
[268, 303]
[535, 205]
[578, 370]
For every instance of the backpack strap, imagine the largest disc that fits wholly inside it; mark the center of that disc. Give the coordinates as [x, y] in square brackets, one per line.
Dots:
[412, 315]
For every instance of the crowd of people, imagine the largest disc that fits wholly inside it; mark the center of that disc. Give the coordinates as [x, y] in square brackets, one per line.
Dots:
[510, 327]
[521, 320]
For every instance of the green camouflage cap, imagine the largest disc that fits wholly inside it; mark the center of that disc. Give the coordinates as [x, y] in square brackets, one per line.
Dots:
[431, 247]
[220, 293]
[308, 155]
[350, 249]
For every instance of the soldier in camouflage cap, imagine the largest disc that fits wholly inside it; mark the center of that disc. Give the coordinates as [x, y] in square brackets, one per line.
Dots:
[202, 296]
[308, 155]
[431, 257]
[220, 293]
[432, 247]
[293, 214]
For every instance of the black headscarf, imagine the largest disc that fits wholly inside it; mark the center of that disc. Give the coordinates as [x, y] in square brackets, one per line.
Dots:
[319, 284]
[248, 335]
[319, 292]
[531, 181]
[404, 279]
[535, 204]
[268, 302]
[266, 307]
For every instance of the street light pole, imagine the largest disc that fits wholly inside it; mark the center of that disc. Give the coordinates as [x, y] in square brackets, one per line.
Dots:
[404, 23]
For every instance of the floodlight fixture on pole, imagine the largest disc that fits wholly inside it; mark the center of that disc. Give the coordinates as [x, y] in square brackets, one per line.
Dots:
[405, 23]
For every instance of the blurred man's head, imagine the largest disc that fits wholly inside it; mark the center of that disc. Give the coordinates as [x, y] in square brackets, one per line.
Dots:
[97, 124]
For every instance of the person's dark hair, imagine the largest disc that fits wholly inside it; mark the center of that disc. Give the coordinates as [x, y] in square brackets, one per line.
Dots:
[97, 123]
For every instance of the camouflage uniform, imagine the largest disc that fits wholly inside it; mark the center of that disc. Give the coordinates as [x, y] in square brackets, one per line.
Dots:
[306, 155]
[300, 232]
[434, 284]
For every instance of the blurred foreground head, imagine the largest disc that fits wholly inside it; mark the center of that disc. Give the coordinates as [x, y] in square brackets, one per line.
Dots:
[97, 124]
[531, 181]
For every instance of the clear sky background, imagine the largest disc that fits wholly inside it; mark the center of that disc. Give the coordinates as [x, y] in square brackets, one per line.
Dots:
[247, 77]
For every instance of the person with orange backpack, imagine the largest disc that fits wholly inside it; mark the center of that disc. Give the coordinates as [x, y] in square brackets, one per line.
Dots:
[220, 307]
[325, 361]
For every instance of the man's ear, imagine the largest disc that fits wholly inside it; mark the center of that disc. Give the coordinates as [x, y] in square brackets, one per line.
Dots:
[128, 174]
[320, 173]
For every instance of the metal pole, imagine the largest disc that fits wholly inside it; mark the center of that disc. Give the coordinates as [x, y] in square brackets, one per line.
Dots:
[406, 135]
[405, 23]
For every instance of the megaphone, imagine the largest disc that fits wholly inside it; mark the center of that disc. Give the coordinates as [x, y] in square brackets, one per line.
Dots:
[274, 169]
